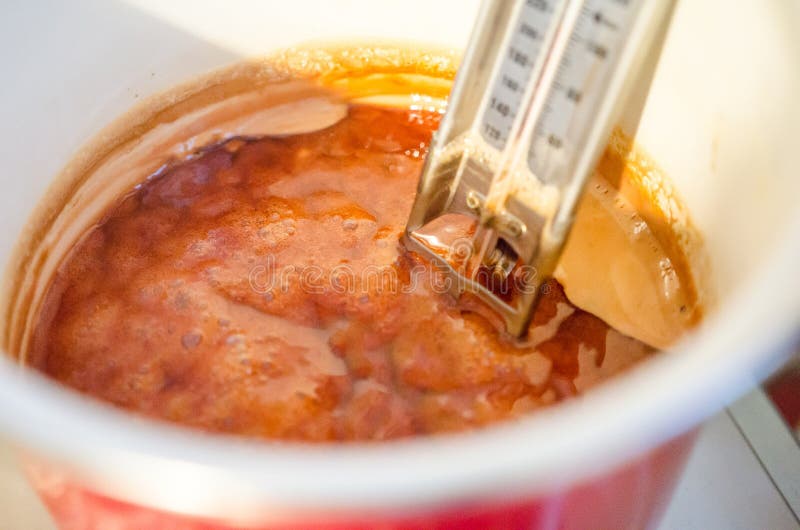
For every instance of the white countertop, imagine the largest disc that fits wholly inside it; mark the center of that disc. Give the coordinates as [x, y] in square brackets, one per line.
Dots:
[725, 486]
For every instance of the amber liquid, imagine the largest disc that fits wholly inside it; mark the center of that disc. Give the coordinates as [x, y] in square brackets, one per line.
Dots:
[261, 288]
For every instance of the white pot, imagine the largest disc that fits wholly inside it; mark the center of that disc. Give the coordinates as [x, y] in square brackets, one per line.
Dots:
[722, 118]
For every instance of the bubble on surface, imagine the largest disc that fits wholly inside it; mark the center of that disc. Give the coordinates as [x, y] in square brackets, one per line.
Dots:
[191, 340]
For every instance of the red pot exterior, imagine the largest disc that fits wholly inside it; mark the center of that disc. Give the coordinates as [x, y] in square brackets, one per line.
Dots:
[632, 497]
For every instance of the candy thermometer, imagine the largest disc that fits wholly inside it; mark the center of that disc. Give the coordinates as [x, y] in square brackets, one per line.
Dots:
[533, 104]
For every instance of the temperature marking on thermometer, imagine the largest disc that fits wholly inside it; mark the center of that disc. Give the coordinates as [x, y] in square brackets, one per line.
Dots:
[582, 77]
[572, 98]
[523, 49]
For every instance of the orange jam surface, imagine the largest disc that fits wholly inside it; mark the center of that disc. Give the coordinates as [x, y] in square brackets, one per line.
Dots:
[261, 288]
